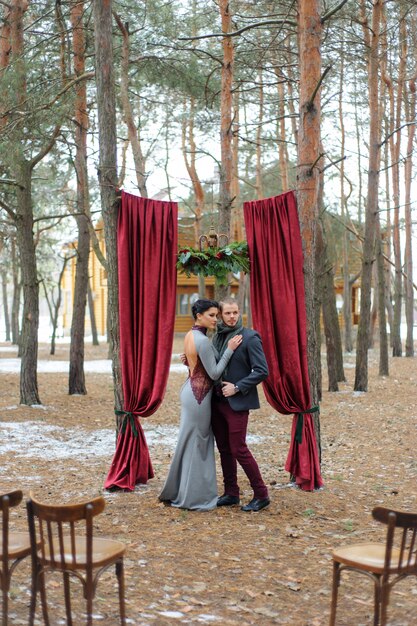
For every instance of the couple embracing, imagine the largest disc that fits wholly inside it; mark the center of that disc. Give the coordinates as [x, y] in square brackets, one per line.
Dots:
[215, 403]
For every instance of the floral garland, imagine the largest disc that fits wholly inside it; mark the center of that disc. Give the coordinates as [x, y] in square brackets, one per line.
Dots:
[217, 262]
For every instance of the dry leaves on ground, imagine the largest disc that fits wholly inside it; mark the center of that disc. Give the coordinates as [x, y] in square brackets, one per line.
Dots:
[223, 567]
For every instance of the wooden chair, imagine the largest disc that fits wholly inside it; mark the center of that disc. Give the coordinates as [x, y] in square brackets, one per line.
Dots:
[14, 546]
[385, 563]
[63, 549]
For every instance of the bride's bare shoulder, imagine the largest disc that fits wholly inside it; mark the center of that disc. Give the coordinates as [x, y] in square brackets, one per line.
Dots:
[189, 340]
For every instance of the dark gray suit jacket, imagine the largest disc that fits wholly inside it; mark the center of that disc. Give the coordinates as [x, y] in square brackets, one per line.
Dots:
[246, 369]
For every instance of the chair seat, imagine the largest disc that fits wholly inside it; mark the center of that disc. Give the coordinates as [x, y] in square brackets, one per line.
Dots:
[104, 551]
[366, 556]
[19, 545]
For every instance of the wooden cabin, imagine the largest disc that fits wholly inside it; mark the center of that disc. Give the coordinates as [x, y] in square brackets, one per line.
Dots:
[98, 287]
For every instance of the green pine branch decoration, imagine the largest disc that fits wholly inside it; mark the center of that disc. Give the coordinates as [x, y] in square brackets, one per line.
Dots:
[217, 262]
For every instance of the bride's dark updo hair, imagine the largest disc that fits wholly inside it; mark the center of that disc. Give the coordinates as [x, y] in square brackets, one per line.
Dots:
[202, 305]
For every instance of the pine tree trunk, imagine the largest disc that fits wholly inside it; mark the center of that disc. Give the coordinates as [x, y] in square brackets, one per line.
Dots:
[226, 138]
[320, 269]
[408, 256]
[189, 150]
[334, 350]
[189, 156]
[383, 336]
[5, 49]
[282, 135]
[238, 223]
[361, 373]
[132, 131]
[387, 246]
[57, 305]
[347, 296]
[167, 139]
[28, 344]
[106, 107]
[5, 305]
[17, 288]
[290, 102]
[259, 177]
[332, 333]
[309, 31]
[30, 322]
[398, 285]
[395, 100]
[317, 311]
[359, 150]
[76, 380]
[347, 292]
[375, 301]
[93, 323]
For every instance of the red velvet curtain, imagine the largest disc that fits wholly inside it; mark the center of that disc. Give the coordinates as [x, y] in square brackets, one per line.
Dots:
[278, 309]
[147, 249]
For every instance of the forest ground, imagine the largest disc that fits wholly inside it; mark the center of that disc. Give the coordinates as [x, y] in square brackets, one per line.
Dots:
[222, 567]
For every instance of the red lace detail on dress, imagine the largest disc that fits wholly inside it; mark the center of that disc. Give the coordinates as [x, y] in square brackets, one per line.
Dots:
[200, 381]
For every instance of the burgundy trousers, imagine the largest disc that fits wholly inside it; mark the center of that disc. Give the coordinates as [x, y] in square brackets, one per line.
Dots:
[229, 428]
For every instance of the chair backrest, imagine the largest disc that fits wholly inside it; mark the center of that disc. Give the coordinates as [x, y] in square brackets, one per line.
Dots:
[54, 528]
[10, 499]
[407, 542]
[7, 500]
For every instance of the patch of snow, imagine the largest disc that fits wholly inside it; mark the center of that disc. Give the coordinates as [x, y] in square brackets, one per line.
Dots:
[10, 366]
[40, 440]
[46, 441]
[100, 366]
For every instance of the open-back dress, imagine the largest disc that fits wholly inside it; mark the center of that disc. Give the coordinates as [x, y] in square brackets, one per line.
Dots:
[191, 481]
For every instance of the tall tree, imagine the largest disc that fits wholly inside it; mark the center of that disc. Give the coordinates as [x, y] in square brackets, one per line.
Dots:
[308, 178]
[76, 382]
[327, 296]
[410, 111]
[132, 130]
[395, 95]
[383, 336]
[226, 138]
[4, 283]
[17, 289]
[372, 41]
[347, 288]
[189, 153]
[93, 321]
[106, 109]
[21, 163]
[259, 169]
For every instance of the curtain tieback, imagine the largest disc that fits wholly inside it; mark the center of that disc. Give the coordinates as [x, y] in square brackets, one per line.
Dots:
[128, 417]
[300, 422]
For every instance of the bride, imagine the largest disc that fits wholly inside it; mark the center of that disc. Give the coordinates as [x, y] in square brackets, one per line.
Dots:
[191, 481]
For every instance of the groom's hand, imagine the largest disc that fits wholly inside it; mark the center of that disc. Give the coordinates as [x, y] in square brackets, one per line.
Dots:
[229, 389]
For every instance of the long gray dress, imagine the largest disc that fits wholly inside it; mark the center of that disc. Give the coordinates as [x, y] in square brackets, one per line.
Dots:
[191, 481]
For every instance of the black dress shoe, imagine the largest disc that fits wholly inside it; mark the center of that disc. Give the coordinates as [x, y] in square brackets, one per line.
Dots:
[226, 500]
[256, 504]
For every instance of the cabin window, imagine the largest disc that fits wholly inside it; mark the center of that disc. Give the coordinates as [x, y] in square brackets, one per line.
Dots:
[184, 303]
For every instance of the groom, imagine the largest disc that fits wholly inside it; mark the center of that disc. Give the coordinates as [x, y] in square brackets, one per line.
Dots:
[231, 403]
